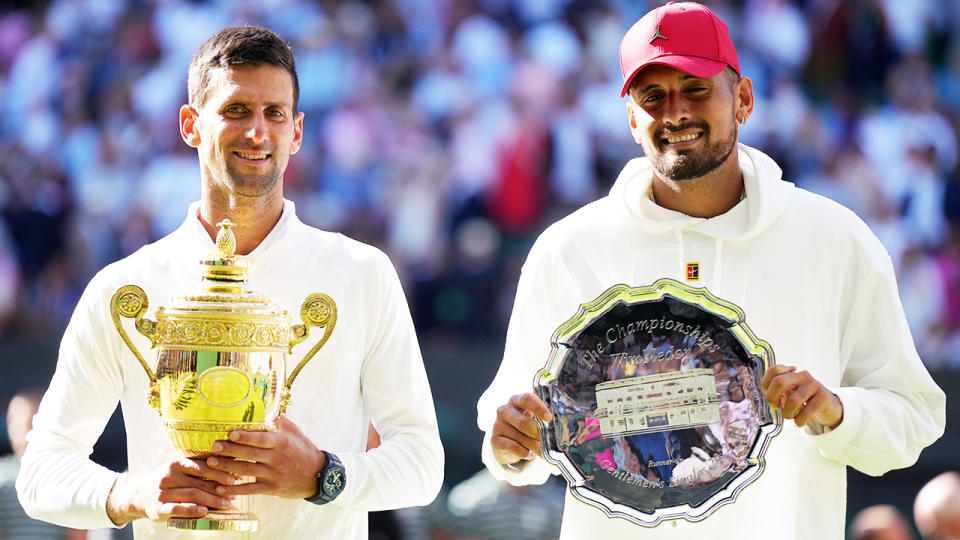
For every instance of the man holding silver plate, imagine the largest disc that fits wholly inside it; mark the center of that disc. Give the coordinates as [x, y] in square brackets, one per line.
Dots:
[247, 439]
[709, 346]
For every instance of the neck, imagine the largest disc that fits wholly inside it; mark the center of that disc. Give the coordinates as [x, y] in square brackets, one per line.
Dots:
[254, 217]
[705, 197]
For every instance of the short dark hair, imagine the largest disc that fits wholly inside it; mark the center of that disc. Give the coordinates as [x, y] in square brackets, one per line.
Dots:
[732, 76]
[238, 45]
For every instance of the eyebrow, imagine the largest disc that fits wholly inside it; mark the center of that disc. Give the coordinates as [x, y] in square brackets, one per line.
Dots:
[648, 87]
[247, 103]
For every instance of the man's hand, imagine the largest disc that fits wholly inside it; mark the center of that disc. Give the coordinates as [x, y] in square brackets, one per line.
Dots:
[284, 463]
[515, 436]
[182, 488]
[801, 397]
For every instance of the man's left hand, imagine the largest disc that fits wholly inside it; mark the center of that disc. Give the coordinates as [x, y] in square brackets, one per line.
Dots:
[284, 462]
[801, 397]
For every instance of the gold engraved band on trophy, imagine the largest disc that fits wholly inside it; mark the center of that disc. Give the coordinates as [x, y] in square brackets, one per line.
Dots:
[221, 361]
[224, 334]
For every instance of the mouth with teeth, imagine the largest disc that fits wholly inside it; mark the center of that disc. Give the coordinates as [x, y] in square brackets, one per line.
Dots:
[679, 139]
[683, 138]
[252, 156]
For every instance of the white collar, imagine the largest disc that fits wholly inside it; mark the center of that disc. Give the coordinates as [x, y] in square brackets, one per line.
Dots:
[193, 228]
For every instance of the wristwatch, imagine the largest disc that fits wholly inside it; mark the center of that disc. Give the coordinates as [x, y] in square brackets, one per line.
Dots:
[330, 480]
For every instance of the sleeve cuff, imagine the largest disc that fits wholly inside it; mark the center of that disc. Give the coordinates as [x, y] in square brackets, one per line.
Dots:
[356, 474]
[102, 497]
[832, 442]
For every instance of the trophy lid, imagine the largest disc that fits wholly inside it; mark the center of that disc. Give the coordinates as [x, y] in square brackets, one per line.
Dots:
[225, 271]
[224, 315]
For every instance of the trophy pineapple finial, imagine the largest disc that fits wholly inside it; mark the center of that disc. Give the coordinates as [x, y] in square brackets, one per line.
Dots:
[226, 242]
[225, 272]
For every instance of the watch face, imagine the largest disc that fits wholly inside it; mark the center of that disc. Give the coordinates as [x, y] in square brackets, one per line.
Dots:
[333, 482]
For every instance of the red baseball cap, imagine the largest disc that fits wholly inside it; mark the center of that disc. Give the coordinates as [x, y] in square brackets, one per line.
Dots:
[684, 35]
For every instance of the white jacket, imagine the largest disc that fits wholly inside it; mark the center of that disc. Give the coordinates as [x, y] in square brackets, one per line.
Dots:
[813, 281]
[369, 370]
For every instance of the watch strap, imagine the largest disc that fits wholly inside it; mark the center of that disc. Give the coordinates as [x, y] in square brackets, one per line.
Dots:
[331, 480]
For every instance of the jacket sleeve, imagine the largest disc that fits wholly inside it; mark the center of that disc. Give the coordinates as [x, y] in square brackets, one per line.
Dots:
[532, 323]
[57, 481]
[407, 468]
[892, 407]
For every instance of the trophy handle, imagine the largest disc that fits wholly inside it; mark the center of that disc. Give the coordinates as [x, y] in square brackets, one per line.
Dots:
[317, 310]
[131, 302]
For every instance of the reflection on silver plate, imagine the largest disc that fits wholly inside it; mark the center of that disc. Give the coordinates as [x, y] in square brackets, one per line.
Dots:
[658, 412]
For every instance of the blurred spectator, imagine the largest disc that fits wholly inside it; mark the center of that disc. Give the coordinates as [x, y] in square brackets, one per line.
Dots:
[517, 197]
[881, 522]
[775, 30]
[483, 508]
[14, 522]
[937, 507]
[9, 279]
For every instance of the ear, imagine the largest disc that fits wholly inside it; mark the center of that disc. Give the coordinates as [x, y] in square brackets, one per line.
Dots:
[297, 133]
[632, 114]
[743, 91]
[188, 126]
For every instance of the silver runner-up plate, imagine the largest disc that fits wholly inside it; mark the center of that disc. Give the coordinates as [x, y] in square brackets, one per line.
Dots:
[656, 401]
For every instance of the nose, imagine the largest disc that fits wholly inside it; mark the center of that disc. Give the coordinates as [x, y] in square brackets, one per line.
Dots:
[257, 130]
[675, 111]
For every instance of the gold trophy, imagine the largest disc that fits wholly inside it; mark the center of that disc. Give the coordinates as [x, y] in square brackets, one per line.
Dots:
[221, 361]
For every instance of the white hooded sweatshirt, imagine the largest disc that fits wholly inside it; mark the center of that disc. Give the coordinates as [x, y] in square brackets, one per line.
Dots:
[813, 281]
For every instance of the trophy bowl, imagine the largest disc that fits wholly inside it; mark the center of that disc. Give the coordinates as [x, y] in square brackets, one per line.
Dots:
[221, 361]
[657, 408]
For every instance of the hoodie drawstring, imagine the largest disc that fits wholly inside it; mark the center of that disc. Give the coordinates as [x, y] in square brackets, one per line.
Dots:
[718, 264]
[678, 233]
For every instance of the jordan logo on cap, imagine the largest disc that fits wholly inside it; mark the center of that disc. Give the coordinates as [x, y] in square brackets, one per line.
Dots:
[657, 34]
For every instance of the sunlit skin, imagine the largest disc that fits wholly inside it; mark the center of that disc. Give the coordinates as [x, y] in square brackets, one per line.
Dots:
[285, 462]
[515, 436]
[666, 103]
[801, 397]
[244, 133]
[182, 488]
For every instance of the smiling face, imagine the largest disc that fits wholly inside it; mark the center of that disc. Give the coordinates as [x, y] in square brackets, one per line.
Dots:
[246, 129]
[686, 125]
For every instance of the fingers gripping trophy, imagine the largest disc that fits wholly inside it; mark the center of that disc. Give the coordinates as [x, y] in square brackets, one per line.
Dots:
[221, 360]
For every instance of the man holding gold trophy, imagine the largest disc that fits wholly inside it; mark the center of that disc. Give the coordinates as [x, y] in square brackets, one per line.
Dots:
[253, 434]
[652, 396]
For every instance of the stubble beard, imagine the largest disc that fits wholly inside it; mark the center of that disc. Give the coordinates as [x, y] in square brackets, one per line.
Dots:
[690, 164]
[251, 185]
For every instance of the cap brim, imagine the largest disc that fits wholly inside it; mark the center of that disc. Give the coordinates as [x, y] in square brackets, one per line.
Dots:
[694, 65]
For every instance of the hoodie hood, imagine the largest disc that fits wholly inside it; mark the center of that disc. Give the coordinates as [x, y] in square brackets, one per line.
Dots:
[767, 196]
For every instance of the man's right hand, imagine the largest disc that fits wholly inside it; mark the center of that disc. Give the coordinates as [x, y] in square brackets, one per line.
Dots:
[515, 436]
[181, 488]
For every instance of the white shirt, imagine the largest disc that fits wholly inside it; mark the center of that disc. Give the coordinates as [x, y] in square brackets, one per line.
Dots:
[812, 281]
[370, 370]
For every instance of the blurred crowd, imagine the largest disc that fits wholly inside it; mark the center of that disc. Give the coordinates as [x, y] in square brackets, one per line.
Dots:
[450, 132]
[936, 513]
